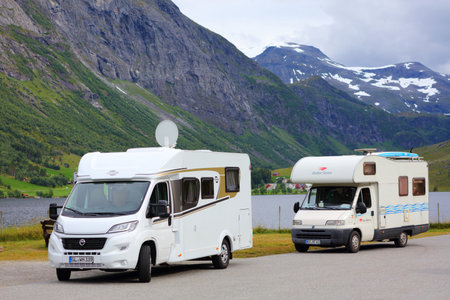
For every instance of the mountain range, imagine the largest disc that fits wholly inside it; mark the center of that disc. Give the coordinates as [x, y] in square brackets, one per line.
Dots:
[98, 75]
[397, 88]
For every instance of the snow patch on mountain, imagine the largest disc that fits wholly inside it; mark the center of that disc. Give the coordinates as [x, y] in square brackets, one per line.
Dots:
[425, 84]
[346, 81]
[295, 47]
[362, 93]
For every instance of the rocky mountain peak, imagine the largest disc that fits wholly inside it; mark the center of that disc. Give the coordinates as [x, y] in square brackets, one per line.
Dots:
[396, 88]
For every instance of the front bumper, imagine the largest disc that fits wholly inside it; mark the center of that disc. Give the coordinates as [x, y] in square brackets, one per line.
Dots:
[120, 251]
[321, 237]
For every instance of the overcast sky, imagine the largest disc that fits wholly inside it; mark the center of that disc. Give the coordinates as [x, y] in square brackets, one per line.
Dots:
[365, 33]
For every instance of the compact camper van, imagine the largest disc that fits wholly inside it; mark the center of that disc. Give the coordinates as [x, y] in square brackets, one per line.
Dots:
[374, 197]
[151, 206]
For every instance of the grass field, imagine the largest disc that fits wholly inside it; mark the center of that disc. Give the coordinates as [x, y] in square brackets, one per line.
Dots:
[31, 189]
[26, 243]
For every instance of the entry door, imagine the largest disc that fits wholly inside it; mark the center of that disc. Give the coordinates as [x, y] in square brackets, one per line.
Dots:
[245, 228]
[161, 227]
[366, 222]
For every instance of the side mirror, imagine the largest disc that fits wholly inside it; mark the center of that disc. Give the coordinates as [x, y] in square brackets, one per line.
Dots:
[296, 207]
[161, 209]
[53, 211]
[361, 207]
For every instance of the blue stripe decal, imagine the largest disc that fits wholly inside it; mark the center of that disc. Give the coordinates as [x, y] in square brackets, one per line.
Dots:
[399, 208]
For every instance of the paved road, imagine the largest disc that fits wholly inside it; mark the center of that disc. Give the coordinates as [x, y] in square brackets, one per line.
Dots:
[378, 271]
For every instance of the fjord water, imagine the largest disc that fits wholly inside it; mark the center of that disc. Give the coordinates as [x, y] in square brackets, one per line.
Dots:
[270, 211]
[267, 209]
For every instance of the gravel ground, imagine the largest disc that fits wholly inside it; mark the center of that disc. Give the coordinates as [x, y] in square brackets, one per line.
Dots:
[378, 271]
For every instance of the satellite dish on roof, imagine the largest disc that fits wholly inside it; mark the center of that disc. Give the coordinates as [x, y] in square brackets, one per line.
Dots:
[166, 134]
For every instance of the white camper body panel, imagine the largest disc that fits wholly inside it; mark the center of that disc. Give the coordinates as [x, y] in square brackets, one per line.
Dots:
[389, 213]
[201, 216]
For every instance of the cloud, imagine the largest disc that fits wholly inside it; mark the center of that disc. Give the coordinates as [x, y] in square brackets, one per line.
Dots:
[352, 32]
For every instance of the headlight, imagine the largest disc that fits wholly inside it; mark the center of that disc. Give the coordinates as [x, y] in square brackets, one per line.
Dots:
[296, 222]
[335, 222]
[58, 228]
[129, 226]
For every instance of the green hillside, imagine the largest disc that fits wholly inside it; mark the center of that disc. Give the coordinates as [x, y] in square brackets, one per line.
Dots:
[438, 158]
[53, 110]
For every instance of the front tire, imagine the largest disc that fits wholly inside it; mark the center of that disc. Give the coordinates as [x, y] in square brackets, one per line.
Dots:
[144, 265]
[354, 242]
[63, 274]
[222, 260]
[402, 240]
[301, 247]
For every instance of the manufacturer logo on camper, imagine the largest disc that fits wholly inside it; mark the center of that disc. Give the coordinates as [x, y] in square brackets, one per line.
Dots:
[113, 173]
[82, 242]
[322, 171]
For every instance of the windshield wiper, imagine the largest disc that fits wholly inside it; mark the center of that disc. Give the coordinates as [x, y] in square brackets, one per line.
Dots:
[74, 210]
[107, 213]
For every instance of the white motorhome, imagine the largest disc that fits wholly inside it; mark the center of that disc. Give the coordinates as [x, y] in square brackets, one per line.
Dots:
[151, 206]
[374, 197]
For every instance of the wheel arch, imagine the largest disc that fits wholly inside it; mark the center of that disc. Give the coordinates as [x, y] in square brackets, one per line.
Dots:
[226, 235]
[153, 252]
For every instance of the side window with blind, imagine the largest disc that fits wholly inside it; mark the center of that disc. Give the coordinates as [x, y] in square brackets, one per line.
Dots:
[190, 192]
[232, 180]
[403, 185]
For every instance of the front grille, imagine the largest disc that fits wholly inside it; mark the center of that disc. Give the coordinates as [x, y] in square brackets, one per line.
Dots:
[89, 243]
[82, 253]
[309, 234]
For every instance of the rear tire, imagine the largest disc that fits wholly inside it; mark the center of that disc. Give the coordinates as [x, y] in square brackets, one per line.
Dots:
[301, 247]
[144, 265]
[222, 260]
[63, 274]
[354, 242]
[402, 240]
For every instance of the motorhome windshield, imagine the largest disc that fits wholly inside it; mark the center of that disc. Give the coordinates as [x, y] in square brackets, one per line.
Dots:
[329, 198]
[105, 199]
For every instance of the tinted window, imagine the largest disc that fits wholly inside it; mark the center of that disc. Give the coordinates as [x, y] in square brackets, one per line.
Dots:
[418, 186]
[364, 196]
[176, 192]
[207, 188]
[403, 185]
[160, 192]
[190, 193]
[232, 180]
